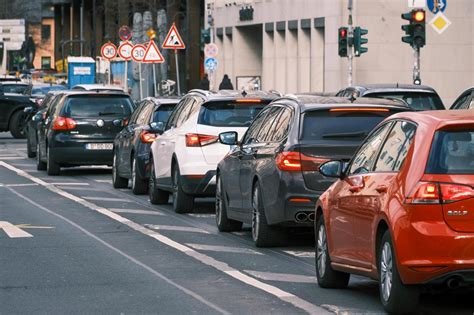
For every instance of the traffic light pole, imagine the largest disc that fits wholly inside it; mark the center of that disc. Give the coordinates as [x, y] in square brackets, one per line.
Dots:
[350, 51]
[416, 66]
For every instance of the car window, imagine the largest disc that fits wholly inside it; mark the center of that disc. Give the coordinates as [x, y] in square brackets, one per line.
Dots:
[367, 153]
[281, 126]
[53, 104]
[163, 113]
[186, 111]
[416, 100]
[176, 113]
[136, 113]
[97, 106]
[15, 88]
[268, 124]
[251, 134]
[143, 114]
[395, 148]
[229, 113]
[452, 152]
[461, 102]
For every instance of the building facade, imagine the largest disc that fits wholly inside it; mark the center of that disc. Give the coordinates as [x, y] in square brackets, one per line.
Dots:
[292, 45]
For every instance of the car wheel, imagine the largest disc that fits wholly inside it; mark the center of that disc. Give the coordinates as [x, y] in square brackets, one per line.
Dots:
[157, 196]
[117, 181]
[224, 224]
[17, 125]
[394, 295]
[182, 202]
[40, 165]
[29, 151]
[263, 235]
[52, 167]
[139, 186]
[327, 277]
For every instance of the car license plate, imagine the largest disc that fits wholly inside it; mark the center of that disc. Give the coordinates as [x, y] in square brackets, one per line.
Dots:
[99, 146]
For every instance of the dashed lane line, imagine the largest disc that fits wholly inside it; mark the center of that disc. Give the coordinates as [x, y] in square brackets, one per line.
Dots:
[282, 277]
[70, 184]
[207, 260]
[106, 199]
[224, 249]
[176, 228]
[136, 211]
[18, 185]
[301, 254]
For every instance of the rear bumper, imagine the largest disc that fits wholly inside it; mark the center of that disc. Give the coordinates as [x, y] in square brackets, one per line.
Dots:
[199, 185]
[69, 153]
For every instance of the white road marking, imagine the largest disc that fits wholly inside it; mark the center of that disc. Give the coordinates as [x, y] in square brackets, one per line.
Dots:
[107, 199]
[82, 188]
[225, 249]
[176, 228]
[302, 254]
[70, 184]
[136, 211]
[9, 158]
[282, 277]
[207, 260]
[107, 181]
[8, 155]
[13, 231]
[18, 185]
[201, 215]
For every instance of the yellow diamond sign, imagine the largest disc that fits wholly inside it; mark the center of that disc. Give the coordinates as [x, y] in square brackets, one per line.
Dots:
[440, 22]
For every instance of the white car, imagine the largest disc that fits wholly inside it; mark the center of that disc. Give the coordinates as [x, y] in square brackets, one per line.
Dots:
[186, 155]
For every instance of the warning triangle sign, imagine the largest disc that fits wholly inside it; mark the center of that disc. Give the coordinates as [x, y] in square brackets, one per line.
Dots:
[173, 39]
[152, 54]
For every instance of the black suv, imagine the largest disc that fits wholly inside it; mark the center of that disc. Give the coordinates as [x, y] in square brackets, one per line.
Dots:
[271, 178]
[12, 104]
[132, 144]
[80, 128]
[418, 97]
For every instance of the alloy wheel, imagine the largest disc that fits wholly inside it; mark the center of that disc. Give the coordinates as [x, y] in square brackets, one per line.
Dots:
[218, 201]
[386, 266]
[134, 169]
[255, 214]
[175, 184]
[321, 251]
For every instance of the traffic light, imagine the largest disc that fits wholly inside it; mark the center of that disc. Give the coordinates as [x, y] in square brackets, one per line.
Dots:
[342, 40]
[205, 37]
[359, 41]
[415, 31]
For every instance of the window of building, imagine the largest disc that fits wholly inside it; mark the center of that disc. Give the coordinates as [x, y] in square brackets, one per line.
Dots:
[45, 62]
[45, 32]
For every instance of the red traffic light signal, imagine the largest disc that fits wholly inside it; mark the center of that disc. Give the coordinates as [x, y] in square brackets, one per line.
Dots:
[343, 32]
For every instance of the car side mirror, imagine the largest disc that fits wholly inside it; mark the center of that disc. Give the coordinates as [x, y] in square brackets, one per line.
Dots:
[332, 169]
[157, 127]
[28, 110]
[229, 138]
[38, 117]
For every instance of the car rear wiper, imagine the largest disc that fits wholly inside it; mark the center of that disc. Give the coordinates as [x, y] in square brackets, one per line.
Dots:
[358, 134]
[108, 113]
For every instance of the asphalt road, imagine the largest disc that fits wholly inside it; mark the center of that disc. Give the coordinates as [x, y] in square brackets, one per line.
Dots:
[73, 244]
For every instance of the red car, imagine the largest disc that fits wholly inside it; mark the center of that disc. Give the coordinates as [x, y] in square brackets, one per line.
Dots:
[402, 211]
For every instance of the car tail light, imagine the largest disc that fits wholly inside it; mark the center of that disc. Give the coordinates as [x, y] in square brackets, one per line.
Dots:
[296, 161]
[199, 140]
[64, 123]
[436, 193]
[147, 137]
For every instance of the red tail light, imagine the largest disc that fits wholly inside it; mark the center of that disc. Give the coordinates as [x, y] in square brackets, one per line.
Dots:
[437, 193]
[296, 161]
[198, 140]
[147, 137]
[64, 123]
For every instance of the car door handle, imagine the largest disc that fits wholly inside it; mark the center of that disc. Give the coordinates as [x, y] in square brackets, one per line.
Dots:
[381, 189]
[354, 189]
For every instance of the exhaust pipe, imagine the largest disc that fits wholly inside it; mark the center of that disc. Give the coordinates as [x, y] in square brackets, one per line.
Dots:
[453, 283]
[311, 217]
[301, 217]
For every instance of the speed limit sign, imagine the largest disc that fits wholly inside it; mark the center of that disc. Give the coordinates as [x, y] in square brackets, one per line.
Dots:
[108, 51]
[138, 52]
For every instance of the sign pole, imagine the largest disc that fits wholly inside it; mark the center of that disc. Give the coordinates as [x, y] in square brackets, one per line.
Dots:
[126, 76]
[416, 66]
[140, 79]
[177, 72]
[350, 54]
[154, 79]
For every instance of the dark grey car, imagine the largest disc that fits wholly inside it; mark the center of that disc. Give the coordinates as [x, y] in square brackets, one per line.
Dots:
[271, 179]
[465, 100]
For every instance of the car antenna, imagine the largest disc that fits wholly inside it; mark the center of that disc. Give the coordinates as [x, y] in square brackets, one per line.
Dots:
[244, 94]
[397, 85]
[352, 98]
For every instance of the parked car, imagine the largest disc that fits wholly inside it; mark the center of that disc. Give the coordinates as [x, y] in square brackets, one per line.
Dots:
[12, 116]
[270, 179]
[98, 87]
[185, 156]
[79, 129]
[14, 87]
[401, 211]
[465, 100]
[37, 92]
[418, 97]
[132, 144]
[33, 117]
[10, 78]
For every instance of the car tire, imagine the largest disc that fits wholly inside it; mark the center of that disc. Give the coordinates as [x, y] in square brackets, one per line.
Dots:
[394, 295]
[327, 277]
[182, 202]
[117, 180]
[224, 224]
[52, 167]
[29, 151]
[40, 165]
[263, 235]
[157, 196]
[17, 124]
[139, 185]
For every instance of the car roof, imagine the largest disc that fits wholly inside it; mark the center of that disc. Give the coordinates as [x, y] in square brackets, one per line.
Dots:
[90, 87]
[393, 87]
[312, 102]
[14, 83]
[234, 94]
[93, 93]
[439, 118]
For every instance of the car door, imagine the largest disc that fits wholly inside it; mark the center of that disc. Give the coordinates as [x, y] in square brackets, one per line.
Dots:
[120, 141]
[129, 136]
[348, 202]
[45, 123]
[377, 186]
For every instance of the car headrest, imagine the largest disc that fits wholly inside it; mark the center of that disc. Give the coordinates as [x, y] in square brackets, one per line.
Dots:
[459, 136]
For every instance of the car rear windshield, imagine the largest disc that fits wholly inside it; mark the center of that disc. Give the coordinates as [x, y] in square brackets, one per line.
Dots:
[14, 88]
[163, 113]
[452, 152]
[97, 106]
[342, 126]
[416, 100]
[230, 114]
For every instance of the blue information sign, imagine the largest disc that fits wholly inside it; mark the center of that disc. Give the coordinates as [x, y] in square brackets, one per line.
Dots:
[210, 64]
[436, 6]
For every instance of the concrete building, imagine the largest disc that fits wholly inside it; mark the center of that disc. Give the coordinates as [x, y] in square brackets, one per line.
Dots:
[291, 45]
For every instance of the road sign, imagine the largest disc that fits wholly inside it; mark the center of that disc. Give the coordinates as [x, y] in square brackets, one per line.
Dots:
[108, 51]
[125, 50]
[210, 64]
[152, 54]
[138, 52]
[211, 50]
[13, 231]
[125, 33]
[417, 4]
[440, 22]
[173, 40]
[436, 6]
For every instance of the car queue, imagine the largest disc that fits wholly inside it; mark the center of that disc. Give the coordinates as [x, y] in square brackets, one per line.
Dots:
[382, 182]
